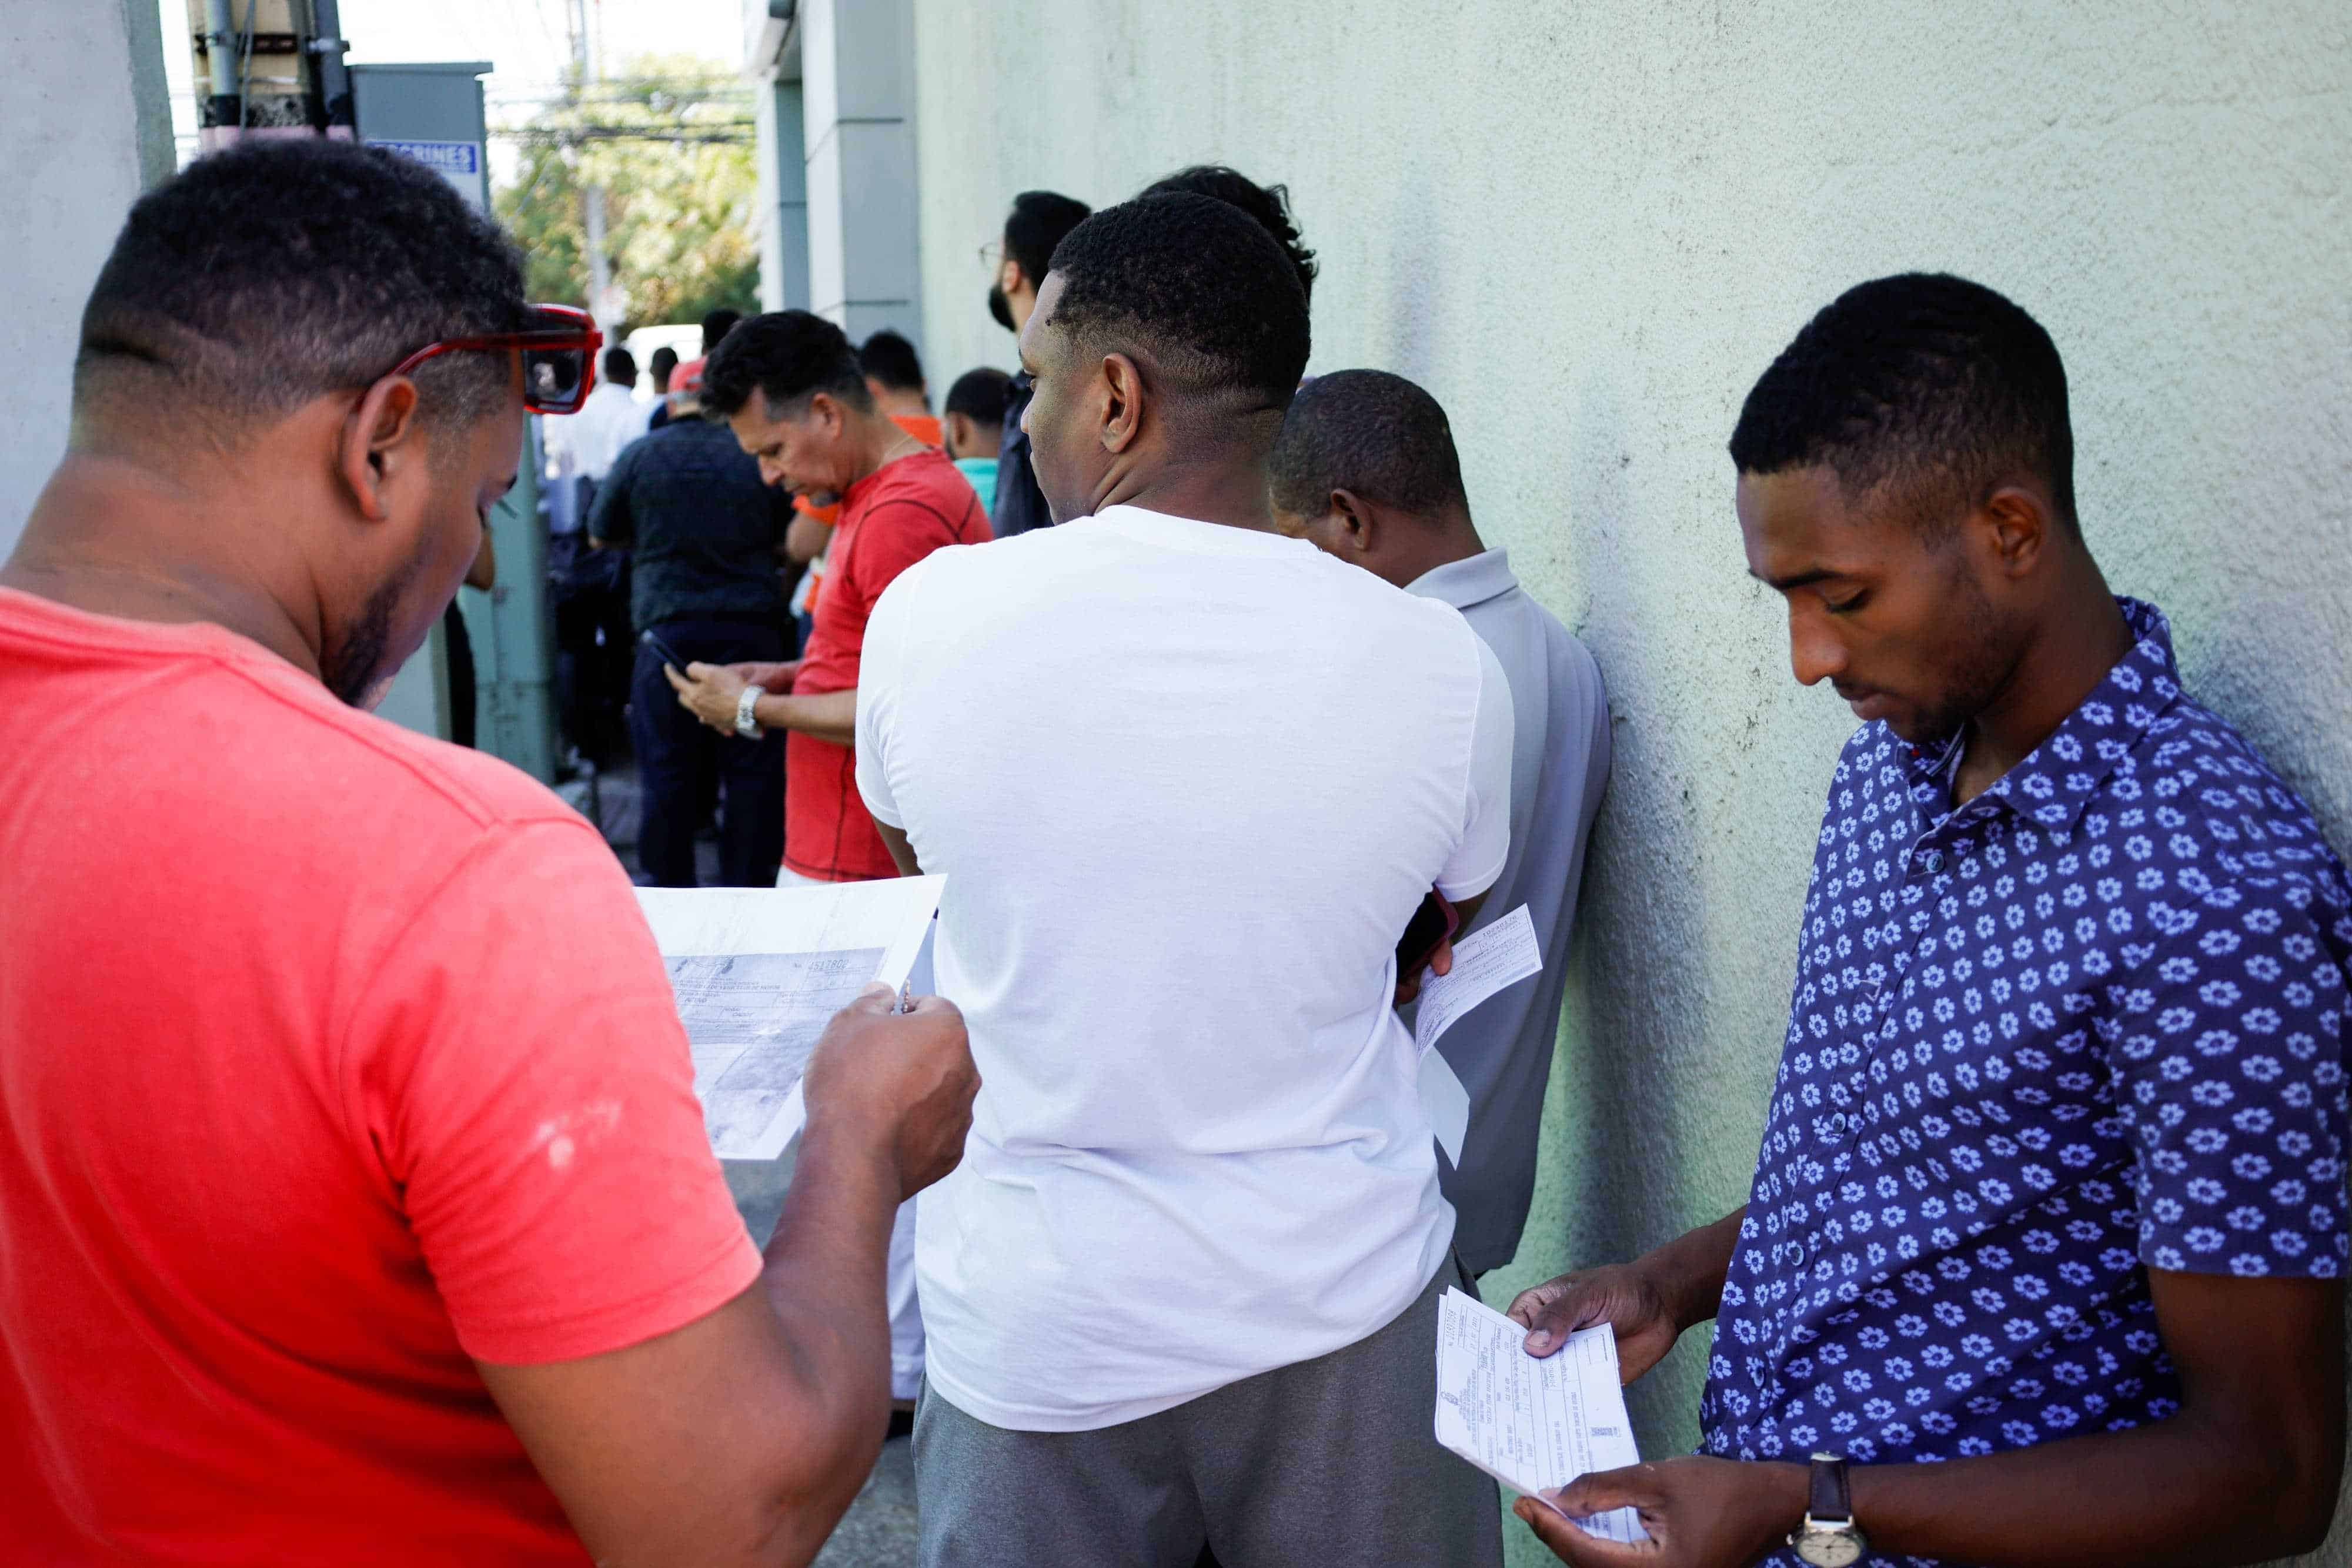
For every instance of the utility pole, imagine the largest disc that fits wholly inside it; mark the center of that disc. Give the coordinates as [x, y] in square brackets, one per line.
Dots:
[270, 68]
[604, 302]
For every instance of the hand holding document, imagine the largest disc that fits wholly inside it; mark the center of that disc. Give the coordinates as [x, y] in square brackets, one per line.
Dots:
[1500, 954]
[759, 972]
[1533, 1425]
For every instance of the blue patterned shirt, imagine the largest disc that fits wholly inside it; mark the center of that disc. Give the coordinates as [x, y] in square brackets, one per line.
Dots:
[2089, 1024]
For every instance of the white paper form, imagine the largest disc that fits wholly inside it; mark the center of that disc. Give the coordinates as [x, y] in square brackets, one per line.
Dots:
[1533, 1425]
[1496, 955]
[1499, 955]
[759, 972]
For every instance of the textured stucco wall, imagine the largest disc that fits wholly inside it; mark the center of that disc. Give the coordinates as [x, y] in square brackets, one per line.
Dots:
[84, 123]
[1587, 229]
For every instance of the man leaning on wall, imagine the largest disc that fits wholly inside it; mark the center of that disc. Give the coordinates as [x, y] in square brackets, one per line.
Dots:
[2051, 1190]
[1366, 470]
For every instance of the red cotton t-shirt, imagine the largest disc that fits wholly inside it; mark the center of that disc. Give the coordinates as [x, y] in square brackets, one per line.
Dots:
[331, 1058]
[889, 520]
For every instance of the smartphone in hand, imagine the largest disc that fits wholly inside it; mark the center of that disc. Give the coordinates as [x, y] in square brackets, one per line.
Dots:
[1431, 926]
[664, 651]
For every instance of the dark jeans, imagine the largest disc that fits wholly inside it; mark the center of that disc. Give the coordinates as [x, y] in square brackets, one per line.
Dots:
[680, 759]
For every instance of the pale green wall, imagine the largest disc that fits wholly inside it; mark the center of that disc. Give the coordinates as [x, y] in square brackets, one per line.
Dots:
[1587, 229]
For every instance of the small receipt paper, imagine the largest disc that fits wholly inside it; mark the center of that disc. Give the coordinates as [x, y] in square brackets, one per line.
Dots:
[1533, 1425]
[1485, 962]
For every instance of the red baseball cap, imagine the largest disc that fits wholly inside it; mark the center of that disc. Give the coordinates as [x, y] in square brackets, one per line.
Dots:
[688, 377]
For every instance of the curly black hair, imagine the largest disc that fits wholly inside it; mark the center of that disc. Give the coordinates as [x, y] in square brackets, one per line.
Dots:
[1202, 289]
[278, 271]
[1924, 377]
[1370, 432]
[785, 355]
[1269, 205]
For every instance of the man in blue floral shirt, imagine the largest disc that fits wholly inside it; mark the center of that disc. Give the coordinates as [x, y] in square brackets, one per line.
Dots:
[2043, 1260]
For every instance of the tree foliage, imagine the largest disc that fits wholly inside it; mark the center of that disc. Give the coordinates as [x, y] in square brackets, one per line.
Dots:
[680, 229]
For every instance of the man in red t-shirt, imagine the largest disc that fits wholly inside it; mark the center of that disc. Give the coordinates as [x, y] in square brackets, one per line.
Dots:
[355, 1203]
[790, 385]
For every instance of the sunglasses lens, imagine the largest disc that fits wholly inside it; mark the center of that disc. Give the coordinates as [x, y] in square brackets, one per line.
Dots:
[552, 377]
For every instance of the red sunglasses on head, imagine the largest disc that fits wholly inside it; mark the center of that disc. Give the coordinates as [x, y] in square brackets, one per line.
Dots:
[559, 348]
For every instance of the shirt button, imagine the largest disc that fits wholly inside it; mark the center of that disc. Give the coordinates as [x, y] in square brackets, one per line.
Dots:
[1837, 1124]
[1796, 1256]
[1934, 861]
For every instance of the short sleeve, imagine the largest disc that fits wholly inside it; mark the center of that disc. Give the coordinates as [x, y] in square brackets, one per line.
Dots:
[527, 1088]
[880, 668]
[2226, 1048]
[1478, 861]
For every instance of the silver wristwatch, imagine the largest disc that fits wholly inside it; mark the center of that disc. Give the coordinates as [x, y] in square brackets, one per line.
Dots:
[745, 725]
[1829, 1537]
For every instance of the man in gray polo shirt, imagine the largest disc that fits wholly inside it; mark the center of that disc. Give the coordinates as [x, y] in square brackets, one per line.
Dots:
[1365, 469]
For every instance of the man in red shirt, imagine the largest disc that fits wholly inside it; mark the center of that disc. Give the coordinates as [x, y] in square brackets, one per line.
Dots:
[354, 1204]
[790, 385]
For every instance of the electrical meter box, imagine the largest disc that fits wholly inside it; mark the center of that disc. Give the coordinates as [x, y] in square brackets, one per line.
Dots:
[433, 114]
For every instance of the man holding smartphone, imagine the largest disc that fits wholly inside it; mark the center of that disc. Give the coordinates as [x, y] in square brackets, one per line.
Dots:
[706, 586]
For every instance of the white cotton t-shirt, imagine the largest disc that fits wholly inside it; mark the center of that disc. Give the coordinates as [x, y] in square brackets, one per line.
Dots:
[1187, 783]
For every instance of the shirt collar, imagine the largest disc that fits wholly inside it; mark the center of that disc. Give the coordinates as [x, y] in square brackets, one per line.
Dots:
[2053, 785]
[1474, 579]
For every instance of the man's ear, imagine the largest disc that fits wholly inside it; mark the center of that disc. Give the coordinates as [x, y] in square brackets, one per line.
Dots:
[1120, 387]
[829, 411]
[1009, 275]
[2014, 525]
[382, 445]
[1356, 519]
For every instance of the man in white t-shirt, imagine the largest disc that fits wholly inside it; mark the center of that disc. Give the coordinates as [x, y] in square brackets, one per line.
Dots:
[1188, 779]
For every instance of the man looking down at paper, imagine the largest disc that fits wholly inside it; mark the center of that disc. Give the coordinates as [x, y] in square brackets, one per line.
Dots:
[1189, 780]
[2052, 1185]
[355, 1203]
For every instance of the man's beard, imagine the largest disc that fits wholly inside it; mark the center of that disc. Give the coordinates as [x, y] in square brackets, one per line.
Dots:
[353, 668]
[1979, 664]
[1000, 307]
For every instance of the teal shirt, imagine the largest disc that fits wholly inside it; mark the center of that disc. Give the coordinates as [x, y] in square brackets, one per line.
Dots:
[981, 472]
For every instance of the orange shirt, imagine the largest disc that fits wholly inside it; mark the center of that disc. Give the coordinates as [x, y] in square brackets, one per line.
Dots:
[333, 1059]
[889, 520]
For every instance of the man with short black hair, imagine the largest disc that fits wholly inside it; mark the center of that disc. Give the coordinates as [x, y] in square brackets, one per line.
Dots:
[1037, 223]
[661, 367]
[1188, 780]
[893, 374]
[1365, 470]
[1269, 205]
[708, 581]
[356, 1206]
[795, 396]
[715, 325]
[2043, 1260]
[975, 424]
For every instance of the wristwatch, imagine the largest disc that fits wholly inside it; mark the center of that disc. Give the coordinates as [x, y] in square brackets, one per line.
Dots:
[745, 701]
[1829, 1537]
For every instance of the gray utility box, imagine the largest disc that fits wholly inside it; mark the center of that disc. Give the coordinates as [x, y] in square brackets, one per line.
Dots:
[433, 114]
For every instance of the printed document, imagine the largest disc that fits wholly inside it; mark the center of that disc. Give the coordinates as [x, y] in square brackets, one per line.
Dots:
[759, 972]
[1501, 955]
[1497, 955]
[1533, 1425]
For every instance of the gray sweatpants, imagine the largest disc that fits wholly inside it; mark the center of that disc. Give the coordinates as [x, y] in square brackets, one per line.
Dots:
[1329, 1460]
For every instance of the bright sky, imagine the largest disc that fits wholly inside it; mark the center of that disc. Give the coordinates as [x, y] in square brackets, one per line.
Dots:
[525, 39]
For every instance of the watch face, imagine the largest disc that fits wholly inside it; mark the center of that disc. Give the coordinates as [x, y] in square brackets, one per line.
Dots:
[1828, 1548]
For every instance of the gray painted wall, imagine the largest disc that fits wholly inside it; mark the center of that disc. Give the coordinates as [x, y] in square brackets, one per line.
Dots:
[1587, 229]
[84, 126]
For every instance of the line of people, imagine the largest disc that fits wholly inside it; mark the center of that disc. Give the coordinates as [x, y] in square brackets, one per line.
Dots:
[400, 1190]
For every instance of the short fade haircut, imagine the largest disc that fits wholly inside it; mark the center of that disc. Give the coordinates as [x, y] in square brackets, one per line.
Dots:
[1924, 379]
[1269, 205]
[1370, 432]
[1040, 221]
[892, 361]
[1196, 283]
[786, 356]
[620, 367]
[982, 394]
[281, 270]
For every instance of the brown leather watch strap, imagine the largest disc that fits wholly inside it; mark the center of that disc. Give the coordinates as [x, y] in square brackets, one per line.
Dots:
[1830, 1498]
